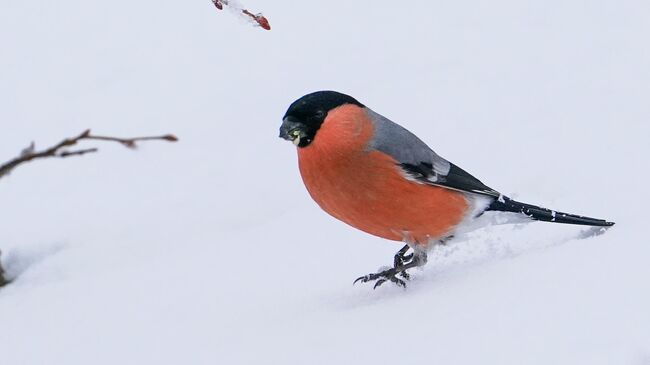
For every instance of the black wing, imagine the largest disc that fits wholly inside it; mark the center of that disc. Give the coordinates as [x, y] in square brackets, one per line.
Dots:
[456, 178]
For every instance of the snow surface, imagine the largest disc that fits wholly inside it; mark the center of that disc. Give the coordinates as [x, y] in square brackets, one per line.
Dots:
[210, 251]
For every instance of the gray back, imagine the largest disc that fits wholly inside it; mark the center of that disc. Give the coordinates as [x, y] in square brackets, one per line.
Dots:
[404, 146]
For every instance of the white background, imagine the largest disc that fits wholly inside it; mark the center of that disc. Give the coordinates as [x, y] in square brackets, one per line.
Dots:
[210, 251]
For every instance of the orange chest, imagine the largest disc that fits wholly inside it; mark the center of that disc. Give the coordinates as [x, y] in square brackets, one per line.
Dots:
[369, 192]
[348, 183]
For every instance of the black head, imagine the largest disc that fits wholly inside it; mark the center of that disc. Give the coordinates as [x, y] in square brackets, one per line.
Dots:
[305, 115]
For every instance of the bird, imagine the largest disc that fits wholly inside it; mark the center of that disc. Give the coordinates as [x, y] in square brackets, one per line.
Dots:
[373, 174]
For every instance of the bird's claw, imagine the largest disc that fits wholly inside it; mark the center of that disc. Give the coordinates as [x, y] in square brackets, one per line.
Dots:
[382, 277]
[397, 281]
[367, 278]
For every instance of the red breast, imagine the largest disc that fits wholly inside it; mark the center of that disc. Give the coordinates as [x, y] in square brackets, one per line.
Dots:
[366, 189]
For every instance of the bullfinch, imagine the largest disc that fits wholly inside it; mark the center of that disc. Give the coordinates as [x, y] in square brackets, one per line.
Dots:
[376, 176]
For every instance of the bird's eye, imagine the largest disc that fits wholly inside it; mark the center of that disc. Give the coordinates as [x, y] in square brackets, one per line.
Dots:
[319, 114]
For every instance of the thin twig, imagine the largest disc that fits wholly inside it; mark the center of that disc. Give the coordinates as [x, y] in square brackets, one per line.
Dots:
[130, 142]
[3, 281]
[77, 153]
[59, 151]
[257, 19]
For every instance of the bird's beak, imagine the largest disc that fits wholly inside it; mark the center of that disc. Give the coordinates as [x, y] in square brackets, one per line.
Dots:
[292, 130]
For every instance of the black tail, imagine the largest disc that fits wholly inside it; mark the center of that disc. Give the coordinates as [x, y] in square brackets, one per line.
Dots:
[505, 204]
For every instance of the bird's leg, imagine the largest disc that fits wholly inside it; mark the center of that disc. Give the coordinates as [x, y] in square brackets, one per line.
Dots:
[400, 258]
[417, 258]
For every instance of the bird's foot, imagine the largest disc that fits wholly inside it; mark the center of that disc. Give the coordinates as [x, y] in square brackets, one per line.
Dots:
[384, 276]
[401, 263]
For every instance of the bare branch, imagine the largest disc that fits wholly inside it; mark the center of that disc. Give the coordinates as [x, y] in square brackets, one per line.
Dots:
[3, 281]
[58, 150]
[130, 142]
[257, 19]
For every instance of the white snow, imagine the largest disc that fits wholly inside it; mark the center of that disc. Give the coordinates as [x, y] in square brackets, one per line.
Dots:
[210, 251]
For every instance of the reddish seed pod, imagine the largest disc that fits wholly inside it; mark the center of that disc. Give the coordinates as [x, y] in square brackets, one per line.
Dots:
[263, 22]
[259, 19]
